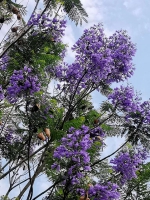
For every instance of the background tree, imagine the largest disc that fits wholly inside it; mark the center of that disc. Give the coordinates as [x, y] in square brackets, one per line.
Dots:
[60, 134]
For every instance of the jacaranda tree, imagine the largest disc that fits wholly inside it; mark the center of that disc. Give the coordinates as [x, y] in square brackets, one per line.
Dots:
[55, 130]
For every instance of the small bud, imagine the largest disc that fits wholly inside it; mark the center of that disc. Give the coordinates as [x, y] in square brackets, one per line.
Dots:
[14, 29]
[82, 198]
[38, 105]
[96, 121]
[18, 16]
[14, 10]
[47, 131]
[98, 138]
[41, 136]
[90, 185]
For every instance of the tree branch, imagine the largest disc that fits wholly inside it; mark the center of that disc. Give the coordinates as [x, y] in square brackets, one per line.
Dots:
[98, 161]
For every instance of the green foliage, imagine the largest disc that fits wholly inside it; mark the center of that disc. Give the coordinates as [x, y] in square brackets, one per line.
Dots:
[106, 107]
[75, 11]
[34, 52]
[90, 117]
[144, 173]
[105, 89]
[137, 188]
[5, 198]
[76, 123]
[73, 8]
[106, 127]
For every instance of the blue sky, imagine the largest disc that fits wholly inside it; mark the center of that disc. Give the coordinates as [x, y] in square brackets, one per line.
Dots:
[130, 15]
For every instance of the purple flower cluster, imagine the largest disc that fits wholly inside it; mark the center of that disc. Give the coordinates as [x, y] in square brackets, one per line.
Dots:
[22, 83]
[1, 93]
[143, 114]
[125, 99]
[97, 131]
[53, 27]
[99, 59]
[127, 164]
[104, 192]
[97, 134]
[73, 153]
[4, 62]
[9, 137]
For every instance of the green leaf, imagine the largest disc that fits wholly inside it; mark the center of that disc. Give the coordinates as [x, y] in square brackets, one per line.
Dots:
[106, 127]
[76, 123]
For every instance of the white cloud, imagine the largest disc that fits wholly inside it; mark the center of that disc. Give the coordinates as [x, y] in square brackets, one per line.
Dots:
[94, 10]
[69, 39]
[137, 12]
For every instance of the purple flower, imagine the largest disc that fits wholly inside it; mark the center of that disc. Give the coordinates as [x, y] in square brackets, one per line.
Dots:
[4, 62]
[55, 28]
[125, 99]
[73, 151]
[98, 60]
[102, 192]
[22, 83]
[127, 164]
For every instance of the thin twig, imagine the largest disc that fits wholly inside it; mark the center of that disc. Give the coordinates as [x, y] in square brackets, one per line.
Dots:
[47, 189]
[22, 161]
[98, 161]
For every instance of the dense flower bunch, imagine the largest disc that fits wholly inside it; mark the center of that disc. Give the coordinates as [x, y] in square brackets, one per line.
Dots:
[97, 134]
[4, 62]
[53, 27]
[104, 192]
[9, 137]
[97, 131]
[73, 153]
[99, 59]
[12, 138]
[125, 99]
[122, 51]
[22, 83]
[1, 93]
[127, 164]
[143, 114]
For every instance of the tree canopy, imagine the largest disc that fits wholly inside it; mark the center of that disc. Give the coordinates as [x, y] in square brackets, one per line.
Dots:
[57, 131]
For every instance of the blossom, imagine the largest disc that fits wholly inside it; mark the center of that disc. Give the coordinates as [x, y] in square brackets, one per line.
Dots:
[99, 60]
[127, 164]
[53, 27]
[125, 99]
[101, 191]
[22, 82]
[73, 151]
[4, 62]
[104, 192]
